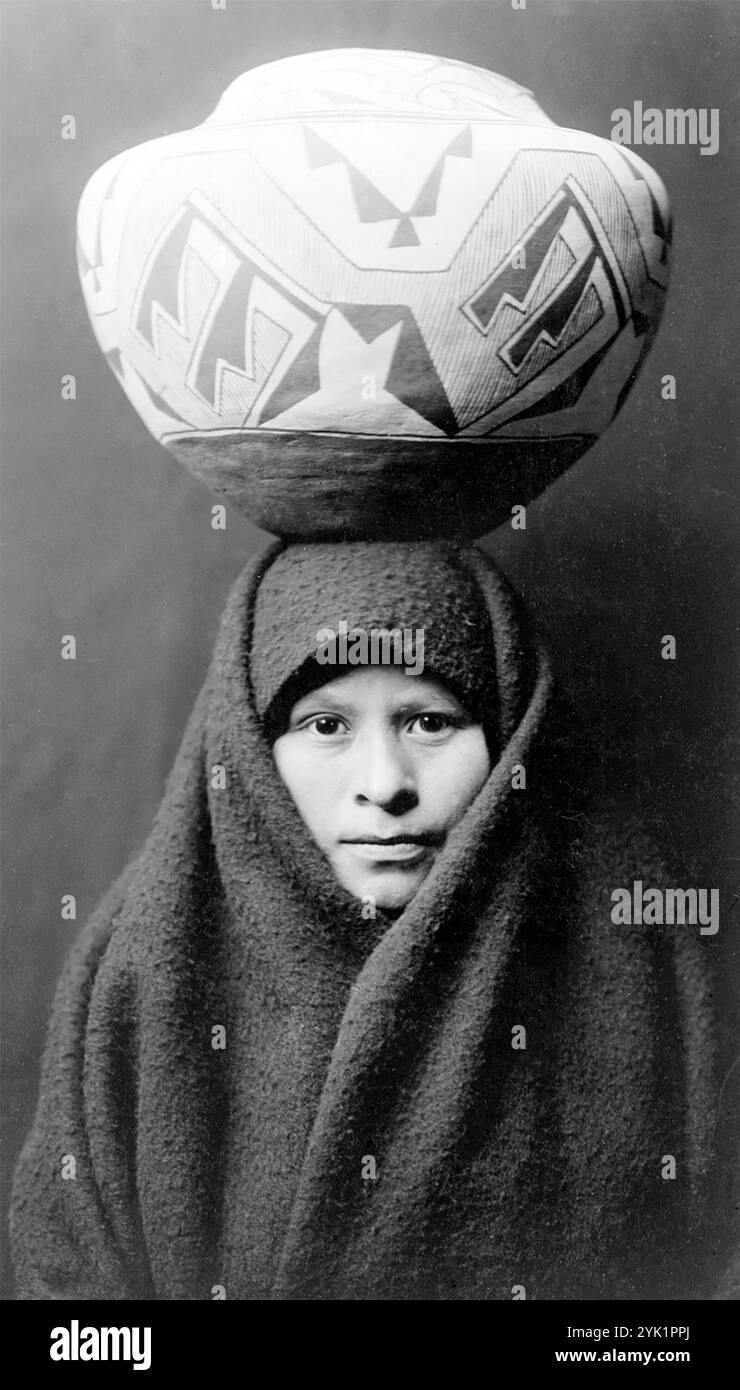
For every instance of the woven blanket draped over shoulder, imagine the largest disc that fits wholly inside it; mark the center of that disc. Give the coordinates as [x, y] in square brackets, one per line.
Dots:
[251, 1089]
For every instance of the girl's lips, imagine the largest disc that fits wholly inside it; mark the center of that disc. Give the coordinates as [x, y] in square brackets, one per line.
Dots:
[405, 853]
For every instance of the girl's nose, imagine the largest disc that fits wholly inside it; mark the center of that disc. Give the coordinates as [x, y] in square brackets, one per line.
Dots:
[384, 774]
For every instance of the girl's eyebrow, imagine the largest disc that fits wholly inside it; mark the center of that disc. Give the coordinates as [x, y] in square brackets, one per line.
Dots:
[435, 704]
[325, 700]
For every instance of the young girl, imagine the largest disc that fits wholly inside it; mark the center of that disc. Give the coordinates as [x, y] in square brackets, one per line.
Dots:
[356, 1023]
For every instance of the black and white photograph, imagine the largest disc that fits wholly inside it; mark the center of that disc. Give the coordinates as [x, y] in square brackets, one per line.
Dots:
[370, 483]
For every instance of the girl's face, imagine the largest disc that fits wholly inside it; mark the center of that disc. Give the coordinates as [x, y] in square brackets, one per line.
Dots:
[381, 766]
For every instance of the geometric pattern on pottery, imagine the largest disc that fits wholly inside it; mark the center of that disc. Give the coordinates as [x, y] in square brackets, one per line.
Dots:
[414, 274]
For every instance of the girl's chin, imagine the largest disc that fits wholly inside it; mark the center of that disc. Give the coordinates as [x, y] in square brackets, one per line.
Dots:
[390, 889]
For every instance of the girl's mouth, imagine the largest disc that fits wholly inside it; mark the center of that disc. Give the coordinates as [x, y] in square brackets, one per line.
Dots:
[395, 850]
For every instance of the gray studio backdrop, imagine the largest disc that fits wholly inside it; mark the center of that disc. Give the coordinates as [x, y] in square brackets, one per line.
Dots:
[107, 538]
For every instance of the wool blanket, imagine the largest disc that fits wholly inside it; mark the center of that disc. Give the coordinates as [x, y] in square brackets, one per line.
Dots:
[252, 1088]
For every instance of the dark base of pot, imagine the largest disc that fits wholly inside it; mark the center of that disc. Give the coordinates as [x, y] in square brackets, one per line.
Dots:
[344, 487]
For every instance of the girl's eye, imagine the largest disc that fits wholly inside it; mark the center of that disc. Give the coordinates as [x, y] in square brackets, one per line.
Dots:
[326, 725]
[434, 723]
